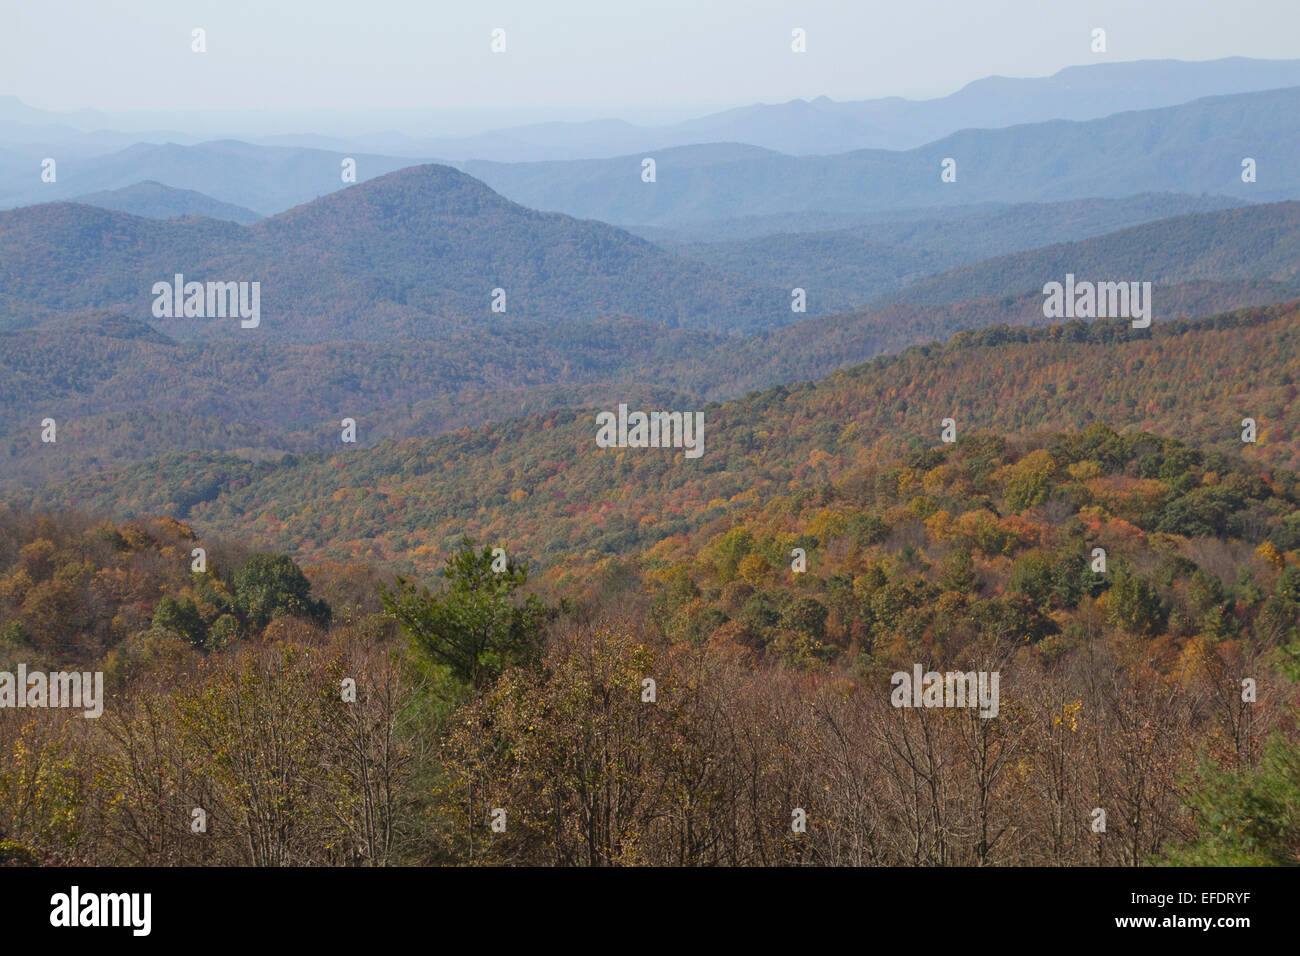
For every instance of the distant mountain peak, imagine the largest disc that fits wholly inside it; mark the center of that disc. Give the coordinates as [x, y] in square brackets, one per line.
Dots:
[154, 200]
[430, 187]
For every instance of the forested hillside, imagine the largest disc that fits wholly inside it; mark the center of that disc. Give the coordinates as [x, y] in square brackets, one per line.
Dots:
[120, 391]
[679, 705]
[539, 486]
[679, 655]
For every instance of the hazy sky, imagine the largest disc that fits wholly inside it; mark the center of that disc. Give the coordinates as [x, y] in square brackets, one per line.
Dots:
[580, 59]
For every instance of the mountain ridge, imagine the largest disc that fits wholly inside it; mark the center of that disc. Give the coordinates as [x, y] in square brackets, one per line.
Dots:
[1196, 147]
[385, 257]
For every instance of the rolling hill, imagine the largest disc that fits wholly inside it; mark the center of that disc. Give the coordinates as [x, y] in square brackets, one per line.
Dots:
[124, 390]
[411, 254]
[155, 201]
[121, 391]
[541, 487]
[847, 268]
[1252, 242]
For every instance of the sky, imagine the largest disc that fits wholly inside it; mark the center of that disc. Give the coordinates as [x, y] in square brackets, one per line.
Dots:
[663, 60]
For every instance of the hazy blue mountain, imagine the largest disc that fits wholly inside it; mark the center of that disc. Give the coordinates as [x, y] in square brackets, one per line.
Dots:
[1194, 148]
[977, 234]
[799, 127]
[156, 201]
[412, 254]
[822, 126]
[264, 179]
[418, 253]
[1075, 93]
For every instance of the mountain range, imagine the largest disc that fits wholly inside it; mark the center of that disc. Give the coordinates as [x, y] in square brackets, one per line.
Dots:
[413, 253]
[418, 253]
[798, 127]
[1197, 147]
[377, 297]
[375, 308]
[1194, 147]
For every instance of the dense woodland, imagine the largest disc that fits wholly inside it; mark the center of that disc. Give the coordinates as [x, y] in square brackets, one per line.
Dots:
[521, 689]
[538, 486]
[480, 690]
[122, 392]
